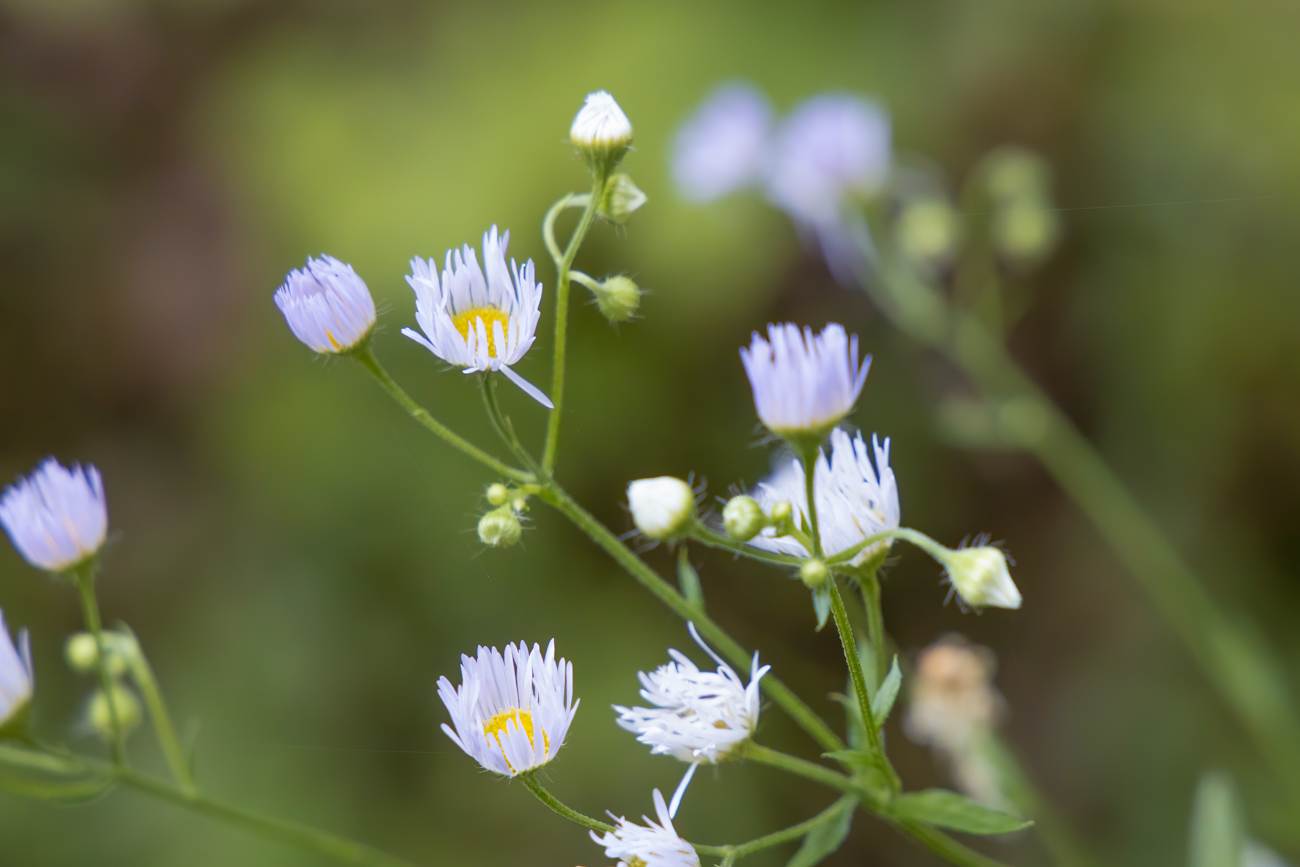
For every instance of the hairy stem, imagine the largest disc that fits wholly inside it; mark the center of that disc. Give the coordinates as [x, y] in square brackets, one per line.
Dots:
[850, 646]
[530, 782]
[421, 415]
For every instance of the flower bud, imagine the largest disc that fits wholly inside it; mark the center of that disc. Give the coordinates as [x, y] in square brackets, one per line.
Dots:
[500, 528]
[1014, 173]
[814, 573]
[782, 512]
[928, 231]
[1025, 231]
[662, 507]
[743, 518]
[82, 653]
[497, 493]
[601, 132]
[618, 298]
[126, 708]
[621, 198]
[980, 577]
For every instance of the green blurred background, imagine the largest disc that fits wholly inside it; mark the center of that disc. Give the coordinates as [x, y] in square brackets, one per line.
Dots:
[300, 559]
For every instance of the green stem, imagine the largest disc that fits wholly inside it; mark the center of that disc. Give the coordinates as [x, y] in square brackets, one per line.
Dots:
[920, 540]
[870, 585]
[945, 847]
[421, 415]
[85, 580]
[502, 424]
[143, 674]
[1246, 674]
[801, 767]
[706, 536]
[301, 836]
[530, 783]
[785, 835]
[562, 266]
[666, 593]
[809, 458]
[850, 647]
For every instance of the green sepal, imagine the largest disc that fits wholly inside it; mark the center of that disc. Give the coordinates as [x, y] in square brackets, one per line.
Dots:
[953, 811]
[689, 580]
[824, 839]
[822, 606]
[1218, 837]
[883, 701]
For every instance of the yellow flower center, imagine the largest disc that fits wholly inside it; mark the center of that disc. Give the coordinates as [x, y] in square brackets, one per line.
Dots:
[496, 726]
[465, 321]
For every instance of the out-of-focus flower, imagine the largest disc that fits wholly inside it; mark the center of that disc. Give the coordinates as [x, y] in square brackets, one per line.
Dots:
[475, 321]
[855, 499]
[830, 148]
[651, 845]
[699, 716]
[954, 708]
[123, 715]
[661, 507]
[723, 146]
[928, 231]
[601, 131]
[980, 577]
[16, 677]
[804, 384]
[56, 517]
[327, 306]
[511, 712]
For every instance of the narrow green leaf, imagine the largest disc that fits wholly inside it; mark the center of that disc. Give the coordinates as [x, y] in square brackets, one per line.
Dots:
[822, 605]
[857, 735]
[824, 839]
[1217, 837]
[867, 659]
[51, 790]
[951, 810]
[689, 580]
[883, 701]
[22, 757]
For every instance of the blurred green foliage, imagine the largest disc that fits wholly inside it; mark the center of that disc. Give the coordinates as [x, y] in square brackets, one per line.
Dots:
[300, 561]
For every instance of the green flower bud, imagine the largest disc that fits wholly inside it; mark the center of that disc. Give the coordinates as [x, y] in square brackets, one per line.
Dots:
[814, 573]
[500, 528]
[980, 577]
[497, 493]
[621, 199]
[83, 654]
[125, 705]
[618, 298]
[1014, 173]
[1025, 231]
[928, 231]
[782, 512]
[743, 518]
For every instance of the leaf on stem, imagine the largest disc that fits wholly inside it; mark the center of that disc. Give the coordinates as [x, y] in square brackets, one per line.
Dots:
[689, 581]
[883, 701]
[823, 839]
[951, 810]
[822, 605]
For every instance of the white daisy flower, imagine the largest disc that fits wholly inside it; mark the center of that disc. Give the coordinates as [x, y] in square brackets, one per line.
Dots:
[830, 147]
[722, 147]
[16, 675]
[651, 845]
[804, 384]
[511, 713]
[600, 125]
[699, 716]
[475, 321]
[326, 304]
[855, 499]
[56, 517]
[661, 507]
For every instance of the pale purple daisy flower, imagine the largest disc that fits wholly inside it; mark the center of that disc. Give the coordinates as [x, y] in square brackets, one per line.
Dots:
[57, 517]
[723, 146]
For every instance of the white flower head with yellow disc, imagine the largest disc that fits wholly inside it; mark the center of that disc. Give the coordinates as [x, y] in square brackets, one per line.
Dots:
[512, 711]
[480, 319]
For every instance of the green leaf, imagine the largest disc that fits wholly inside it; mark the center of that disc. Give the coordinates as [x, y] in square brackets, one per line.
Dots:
[56, 790]
[822, 605]
[857, 736]
[824, 839]
[883, 701]
[951, 810]
[1217, 837]
[689, 580]
[867, 659]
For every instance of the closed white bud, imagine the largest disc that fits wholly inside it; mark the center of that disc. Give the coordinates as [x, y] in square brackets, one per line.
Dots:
[601, 131]
[125, 709]
[618, 297]
[500, 528]
[980, 577]
[814, 573]
[743, 518]
[662, 507]
[622, 198]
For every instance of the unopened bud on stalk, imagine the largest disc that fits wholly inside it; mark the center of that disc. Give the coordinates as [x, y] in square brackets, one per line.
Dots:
[743, 518]
[814, 573]
[1025, 231]
[618, 298]
[82, 654]
[601, 132]
[980, 577]
[928, 231]
[1014, 173]
[782, 513]
[126, 707]
[621, 199]
[497, 493]
[662, 507]
[500, 528]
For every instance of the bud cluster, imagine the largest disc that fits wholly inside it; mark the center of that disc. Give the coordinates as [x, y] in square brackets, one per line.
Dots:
[1025, 225]
[501, 527]
[118, 709]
